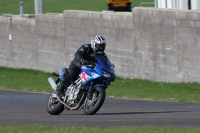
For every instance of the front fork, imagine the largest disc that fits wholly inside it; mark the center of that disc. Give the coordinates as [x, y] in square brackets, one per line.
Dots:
[89, 95]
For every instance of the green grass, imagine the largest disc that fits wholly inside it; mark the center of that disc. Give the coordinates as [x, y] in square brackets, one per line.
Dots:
[31, 80]
[62, 129]
[24, 79]
[57, 6]
[144, 89]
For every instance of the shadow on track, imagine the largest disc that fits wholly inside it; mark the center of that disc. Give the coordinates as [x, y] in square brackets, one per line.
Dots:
[128, 113]
[132, 113]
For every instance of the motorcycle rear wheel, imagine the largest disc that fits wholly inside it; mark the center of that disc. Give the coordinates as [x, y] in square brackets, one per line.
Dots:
[54, 107]
[93, 105]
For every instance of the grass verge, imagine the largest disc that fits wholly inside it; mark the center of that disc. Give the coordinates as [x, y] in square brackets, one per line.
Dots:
[32, 80]
[62, 129]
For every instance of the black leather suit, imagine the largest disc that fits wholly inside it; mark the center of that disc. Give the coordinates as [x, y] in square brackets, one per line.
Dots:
[83, 53]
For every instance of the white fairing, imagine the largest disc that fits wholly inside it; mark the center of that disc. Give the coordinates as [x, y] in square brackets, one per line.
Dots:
[52, 83]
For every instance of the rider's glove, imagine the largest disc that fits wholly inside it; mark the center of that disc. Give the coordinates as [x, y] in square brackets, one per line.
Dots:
[83, 61]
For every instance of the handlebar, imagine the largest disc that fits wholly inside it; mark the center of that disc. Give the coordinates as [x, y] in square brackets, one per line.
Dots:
[90, 64]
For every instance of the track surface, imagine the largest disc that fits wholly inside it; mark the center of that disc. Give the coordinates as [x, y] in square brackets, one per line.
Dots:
[22, 108]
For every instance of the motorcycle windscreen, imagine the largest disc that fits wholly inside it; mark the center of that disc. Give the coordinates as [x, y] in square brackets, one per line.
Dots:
[107, 66]
[105, 60]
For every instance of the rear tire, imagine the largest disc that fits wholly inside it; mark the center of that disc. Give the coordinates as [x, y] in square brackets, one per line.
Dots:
[98, 97]
[54, 107]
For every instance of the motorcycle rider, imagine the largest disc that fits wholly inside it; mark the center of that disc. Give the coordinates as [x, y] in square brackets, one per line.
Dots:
[82, 56]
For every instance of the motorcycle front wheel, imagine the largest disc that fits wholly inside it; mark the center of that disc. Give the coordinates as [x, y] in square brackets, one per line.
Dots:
[91, 106]
[54, 107]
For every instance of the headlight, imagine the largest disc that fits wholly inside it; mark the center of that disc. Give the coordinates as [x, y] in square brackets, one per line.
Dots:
[106, 74]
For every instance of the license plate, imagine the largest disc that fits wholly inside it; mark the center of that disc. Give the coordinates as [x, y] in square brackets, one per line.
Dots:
[118, 4]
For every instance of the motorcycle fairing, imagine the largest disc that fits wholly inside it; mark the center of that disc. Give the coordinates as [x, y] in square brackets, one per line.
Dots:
[88, 74]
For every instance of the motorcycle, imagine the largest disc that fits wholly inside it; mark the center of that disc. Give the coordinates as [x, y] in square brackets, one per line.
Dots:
[87, 92]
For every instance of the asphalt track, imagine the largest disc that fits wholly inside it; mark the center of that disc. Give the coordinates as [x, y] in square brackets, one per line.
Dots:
[23, 108]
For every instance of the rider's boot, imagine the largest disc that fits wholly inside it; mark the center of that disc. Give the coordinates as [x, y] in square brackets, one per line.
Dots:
[63, 82]
[60, 88]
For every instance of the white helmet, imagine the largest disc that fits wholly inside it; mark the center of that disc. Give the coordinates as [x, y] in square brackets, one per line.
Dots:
[98, 44]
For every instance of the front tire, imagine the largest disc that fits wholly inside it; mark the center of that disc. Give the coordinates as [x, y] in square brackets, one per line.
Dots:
[98, 97]
[54, 107]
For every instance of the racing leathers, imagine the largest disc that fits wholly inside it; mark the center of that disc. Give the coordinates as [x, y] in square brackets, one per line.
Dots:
[82, 56]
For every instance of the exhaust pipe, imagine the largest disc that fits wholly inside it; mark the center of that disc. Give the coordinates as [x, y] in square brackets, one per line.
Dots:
[52, 83]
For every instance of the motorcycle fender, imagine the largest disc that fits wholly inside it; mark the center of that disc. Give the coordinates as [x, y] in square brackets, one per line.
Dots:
[99, 85]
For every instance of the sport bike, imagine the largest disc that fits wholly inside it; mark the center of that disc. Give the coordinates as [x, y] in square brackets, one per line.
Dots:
[87, 91]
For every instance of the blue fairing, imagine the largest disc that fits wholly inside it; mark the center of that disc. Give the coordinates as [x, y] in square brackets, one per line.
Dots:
[89, 73]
